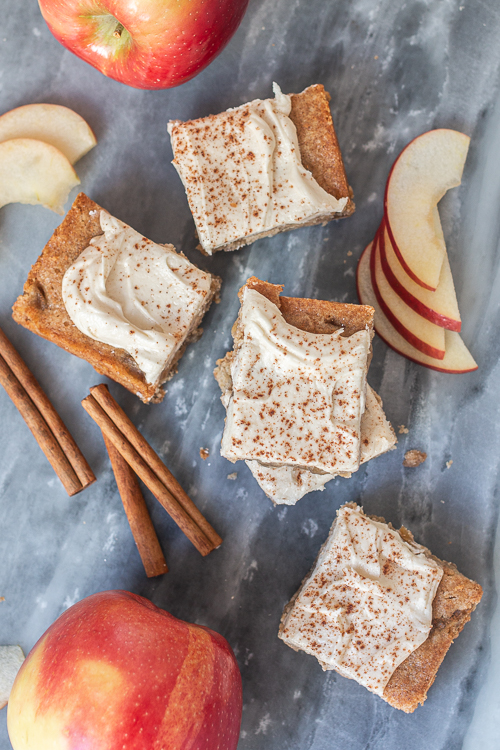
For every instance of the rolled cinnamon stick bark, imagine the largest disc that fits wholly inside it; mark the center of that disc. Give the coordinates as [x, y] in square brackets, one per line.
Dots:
[117, 415]
[40, 429]
[46, 409]
[147, 475]
[137, 513]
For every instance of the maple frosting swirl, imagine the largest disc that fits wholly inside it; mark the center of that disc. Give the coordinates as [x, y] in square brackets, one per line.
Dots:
[126, 291]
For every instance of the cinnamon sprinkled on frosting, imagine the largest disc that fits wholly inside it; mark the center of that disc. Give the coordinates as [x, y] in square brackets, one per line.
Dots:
[126, 291]
[297, 397]
[243, 173]
[286, 484]
[367, 605]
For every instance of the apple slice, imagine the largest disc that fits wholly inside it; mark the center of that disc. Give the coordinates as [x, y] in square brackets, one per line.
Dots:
[11, 658]
[35, 172]
[440, 307]
[425, 336]
[51, 123]
[428, 167]
[457, 358]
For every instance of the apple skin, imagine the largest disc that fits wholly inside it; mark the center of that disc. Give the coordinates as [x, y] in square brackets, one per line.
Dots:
[462, 363]
[408, 148]
[114, 671]
[410, 337]
[147, 44]
[424, 310]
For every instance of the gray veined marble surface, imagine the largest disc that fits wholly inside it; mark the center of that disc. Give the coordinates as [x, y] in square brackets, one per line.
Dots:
[394, 69]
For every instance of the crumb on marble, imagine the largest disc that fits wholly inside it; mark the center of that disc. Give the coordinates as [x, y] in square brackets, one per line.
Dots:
[403, 430]
[204, 453]
[233, 475]
[2, 598]
[449, 463]
[414, 458]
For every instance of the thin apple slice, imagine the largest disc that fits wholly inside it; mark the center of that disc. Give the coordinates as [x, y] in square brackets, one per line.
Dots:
[11, 658]
[35, 172]
[440, 307]
[423, 172]
[50, 123]
[457, 358]
[425, 336]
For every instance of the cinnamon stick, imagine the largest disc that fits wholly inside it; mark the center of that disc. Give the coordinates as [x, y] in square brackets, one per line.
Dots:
[137, 513]
[40, 429]
[147, 475]
[49, 414]
[117, 415]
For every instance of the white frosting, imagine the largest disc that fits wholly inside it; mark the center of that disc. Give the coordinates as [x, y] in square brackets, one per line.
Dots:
[297, 397]
[128, 292]
[285, 484]
[367, 604]
[243, 173]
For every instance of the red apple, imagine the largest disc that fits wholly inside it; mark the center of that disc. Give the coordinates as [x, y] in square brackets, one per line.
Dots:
[457, 358]
[115, 672]
[148, 44]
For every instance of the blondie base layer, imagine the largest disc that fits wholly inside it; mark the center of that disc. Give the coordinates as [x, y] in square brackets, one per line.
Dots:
[41, 307]
[420, 612]
[224, 161]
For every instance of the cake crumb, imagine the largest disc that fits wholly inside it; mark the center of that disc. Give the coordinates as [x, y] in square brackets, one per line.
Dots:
[2, 598]
[233, 475]
[204, 453]
[349, 253]
[414, 458]
[403, 430]
[449, 463]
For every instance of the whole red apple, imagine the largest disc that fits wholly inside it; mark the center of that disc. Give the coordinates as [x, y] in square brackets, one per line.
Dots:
[149, 44]
[114, 672]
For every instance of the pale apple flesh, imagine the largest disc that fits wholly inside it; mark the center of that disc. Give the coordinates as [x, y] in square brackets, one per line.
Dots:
[51, 123]
[440, 307]
[425, 336]
[150, 44]
[457, 359]
[115, 671]
[11, 659]
[36, 173]
[428, 167]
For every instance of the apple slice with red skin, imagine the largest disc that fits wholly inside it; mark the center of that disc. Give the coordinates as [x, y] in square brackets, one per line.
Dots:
[457, 359]
[50, 123]
[115, 671]
[440, 307]
[430, 165]
[418, 331]
[148, 44]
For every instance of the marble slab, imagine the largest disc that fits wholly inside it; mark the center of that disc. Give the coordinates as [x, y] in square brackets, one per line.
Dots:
[394, 69]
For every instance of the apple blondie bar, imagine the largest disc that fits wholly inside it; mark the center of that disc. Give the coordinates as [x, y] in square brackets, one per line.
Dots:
[379, 608]
[110, 296]
[294, 388]
[262, 168]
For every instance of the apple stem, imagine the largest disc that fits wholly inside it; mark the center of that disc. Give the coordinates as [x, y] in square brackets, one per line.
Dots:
[118, 31]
